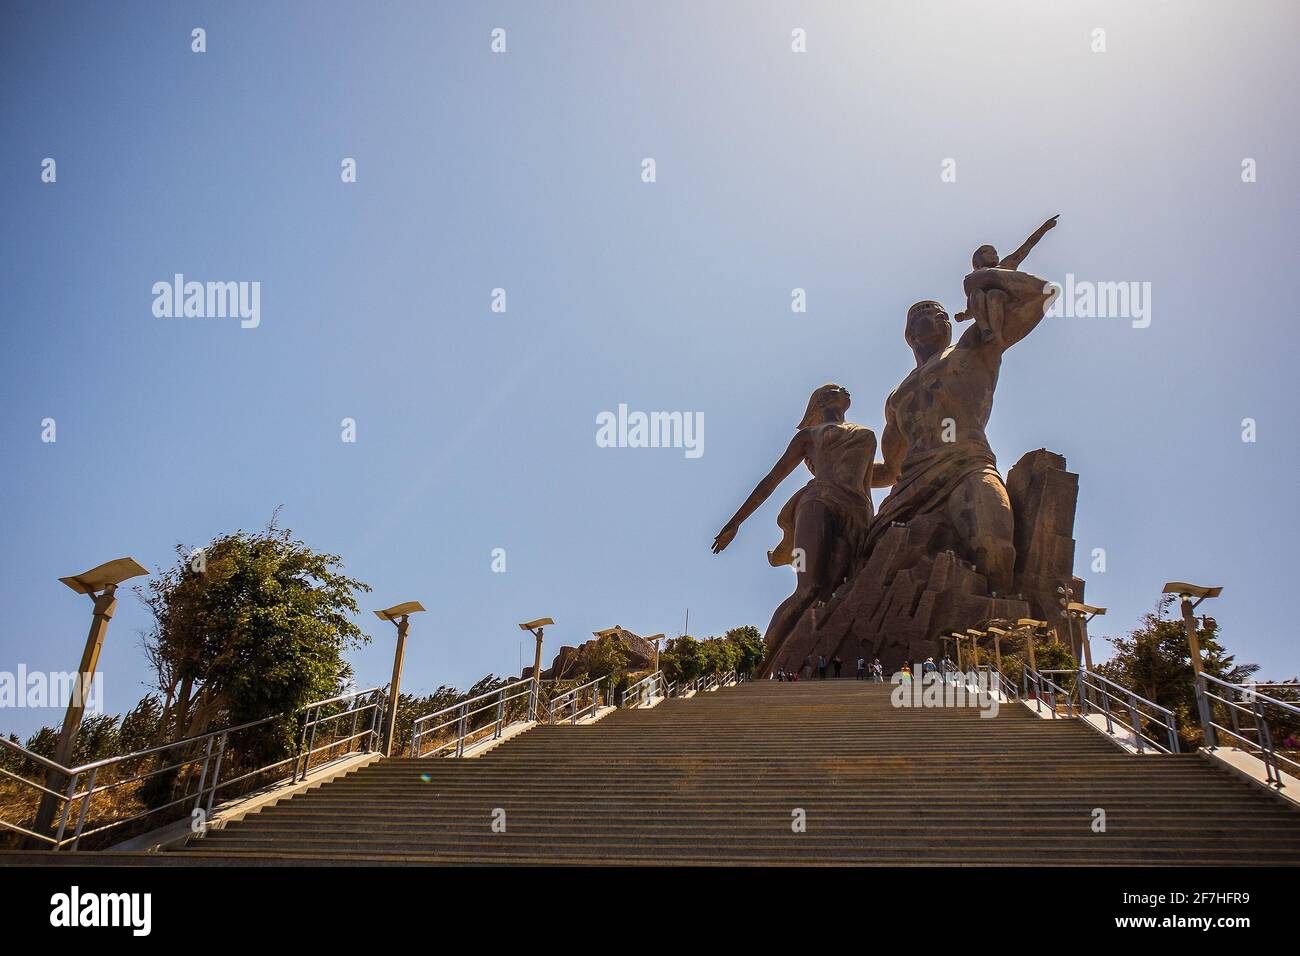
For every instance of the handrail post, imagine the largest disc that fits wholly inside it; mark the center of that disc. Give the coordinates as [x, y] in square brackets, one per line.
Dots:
[311, 742]
[1272, 773]
[85, 808]
[203, 775]
[302, 745]
[216, 774]
[460, 729]
[67, 805]
[1173, 733]
[501, 713]
[1136, 717]
[371, 739]
[1105, 709]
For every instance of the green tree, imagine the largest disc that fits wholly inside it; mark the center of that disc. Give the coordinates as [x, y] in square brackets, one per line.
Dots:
[749, 646]
[254, 625]
[607, 656]
[684, 659]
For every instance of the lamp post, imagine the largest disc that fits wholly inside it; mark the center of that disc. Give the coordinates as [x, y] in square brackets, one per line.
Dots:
[399, 615]
[656, 638]
[1185, 594]
[1032, 627]
[998, 634]
[974, 645]
[100, 585]
[537, 628]
[1084, 613]
[957, 639]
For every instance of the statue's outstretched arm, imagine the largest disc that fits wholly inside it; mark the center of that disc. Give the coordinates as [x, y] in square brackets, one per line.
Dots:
[787, 463]
[1013, 261]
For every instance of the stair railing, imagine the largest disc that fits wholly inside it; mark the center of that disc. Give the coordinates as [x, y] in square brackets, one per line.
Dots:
[996, 680]
[1247, 701]
[510, 703]
[987, 679]
[187, 772]
[1116, 703]
[1043, 686]
[570, 707]
[644, 690]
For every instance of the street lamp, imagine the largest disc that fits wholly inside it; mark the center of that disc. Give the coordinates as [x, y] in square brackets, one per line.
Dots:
[100, 585]
[1185, 593]
[958, 637]
[536, 628]
[656, 638]
[1033, 627]
[399, 614]
[998, 634]
[1084, 613]
[974, 645]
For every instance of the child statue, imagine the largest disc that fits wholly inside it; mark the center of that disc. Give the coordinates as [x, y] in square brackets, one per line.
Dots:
[990, 273]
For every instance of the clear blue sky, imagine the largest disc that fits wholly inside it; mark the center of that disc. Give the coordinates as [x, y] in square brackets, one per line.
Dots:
[775, 170]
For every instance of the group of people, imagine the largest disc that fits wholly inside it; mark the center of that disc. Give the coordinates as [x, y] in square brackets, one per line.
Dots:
[929, 667]
[836, 663]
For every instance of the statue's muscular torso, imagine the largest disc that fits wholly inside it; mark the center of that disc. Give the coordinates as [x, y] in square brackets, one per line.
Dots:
[956, 384]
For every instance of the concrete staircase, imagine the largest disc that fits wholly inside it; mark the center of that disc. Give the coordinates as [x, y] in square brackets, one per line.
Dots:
[715, 780]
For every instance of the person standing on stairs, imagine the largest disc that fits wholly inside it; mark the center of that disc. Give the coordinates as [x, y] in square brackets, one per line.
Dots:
[862, 667]
[821, 666]
[838, 663]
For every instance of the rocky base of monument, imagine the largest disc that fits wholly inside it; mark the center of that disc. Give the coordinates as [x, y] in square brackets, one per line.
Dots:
[915, 587]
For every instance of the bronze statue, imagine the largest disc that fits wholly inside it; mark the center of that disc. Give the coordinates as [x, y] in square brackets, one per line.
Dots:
[933, 444]
[825, 525]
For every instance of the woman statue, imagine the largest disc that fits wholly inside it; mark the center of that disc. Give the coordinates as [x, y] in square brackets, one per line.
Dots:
[824, 526]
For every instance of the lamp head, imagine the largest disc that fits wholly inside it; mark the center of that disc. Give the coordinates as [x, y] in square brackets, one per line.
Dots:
[399, 610]
[533, 625]
[110, 573]
[1182, 589]
[1087, 609]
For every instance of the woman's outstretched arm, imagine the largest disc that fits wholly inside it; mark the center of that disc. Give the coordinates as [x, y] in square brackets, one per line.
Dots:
[787, 463]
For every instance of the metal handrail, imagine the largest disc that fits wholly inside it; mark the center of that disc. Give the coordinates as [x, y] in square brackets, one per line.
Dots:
[993, 680]
[215, 747]
[423, 727]
[1005, 685]
[1132, 703]
[1040, 680]
[1254, 707]
[570, 701]
[643, 690]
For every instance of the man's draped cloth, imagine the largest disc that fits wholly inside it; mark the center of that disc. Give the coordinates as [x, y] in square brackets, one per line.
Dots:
[928, 478]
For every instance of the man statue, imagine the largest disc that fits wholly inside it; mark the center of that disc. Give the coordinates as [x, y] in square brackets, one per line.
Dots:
[933, 446]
